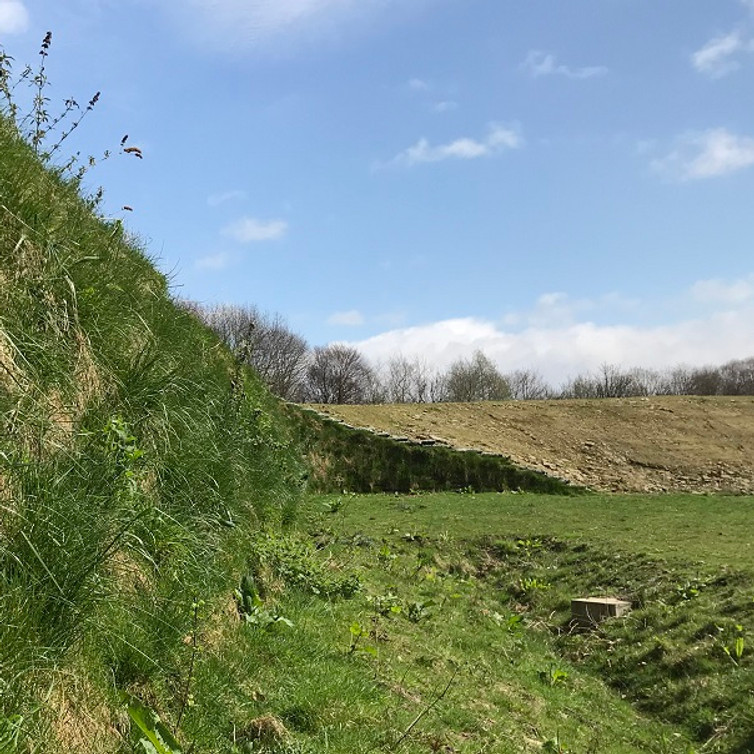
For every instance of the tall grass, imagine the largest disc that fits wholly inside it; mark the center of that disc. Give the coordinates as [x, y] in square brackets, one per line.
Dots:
[136, 461]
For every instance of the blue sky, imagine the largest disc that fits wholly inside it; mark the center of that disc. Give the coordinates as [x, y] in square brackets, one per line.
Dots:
[560, 184]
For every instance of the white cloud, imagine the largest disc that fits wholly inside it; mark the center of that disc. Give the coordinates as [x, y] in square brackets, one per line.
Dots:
[560, 351]
[215, 200]
[418, 85]
[715, 59]
[539, 63]
[728, 293]
[497, 140]
[445, 106]
[213, 262]
[352, 318]
[251, 230]
[14, 18]
[707, 154]
[232, 25]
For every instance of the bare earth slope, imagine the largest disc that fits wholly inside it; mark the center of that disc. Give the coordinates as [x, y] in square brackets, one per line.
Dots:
[693, 444]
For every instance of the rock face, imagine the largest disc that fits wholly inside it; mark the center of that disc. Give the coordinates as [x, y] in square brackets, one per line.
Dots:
[657, 444]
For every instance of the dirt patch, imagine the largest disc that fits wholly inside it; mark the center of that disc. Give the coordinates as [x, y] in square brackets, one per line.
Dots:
[80, 723]
[658, 444]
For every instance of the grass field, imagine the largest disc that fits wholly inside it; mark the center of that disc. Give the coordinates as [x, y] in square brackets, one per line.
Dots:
[689, 529]
[470, 593]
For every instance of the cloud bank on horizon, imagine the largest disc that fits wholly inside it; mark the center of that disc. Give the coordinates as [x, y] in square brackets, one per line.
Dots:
[558, 341]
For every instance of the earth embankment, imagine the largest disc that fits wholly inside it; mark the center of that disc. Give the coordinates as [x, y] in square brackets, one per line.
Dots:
[654, 444]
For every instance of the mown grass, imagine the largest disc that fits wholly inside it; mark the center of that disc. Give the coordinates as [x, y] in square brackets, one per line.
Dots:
[684, 562]
[690, 529]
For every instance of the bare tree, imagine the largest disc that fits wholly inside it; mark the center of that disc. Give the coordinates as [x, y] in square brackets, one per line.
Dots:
[476, 379]
[737, 377]
[676, 381]
[437, 390]
[612, 382]
[581, 386]
[407, 381]
[265, 343]
[528, 385]
[705, 381]
[338, 374]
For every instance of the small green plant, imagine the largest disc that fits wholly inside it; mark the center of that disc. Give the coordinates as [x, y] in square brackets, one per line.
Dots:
[529, 585]
[252, 609]
[124, 447]
[334, 506]
[294, 561]
[736, 651]
[358, 632]
[554, 676]
[513, 623]
[386, 604]
[689, 590]
[528, 546]
[151, 734]
[187, 698]
[385, 555]
[418, 611]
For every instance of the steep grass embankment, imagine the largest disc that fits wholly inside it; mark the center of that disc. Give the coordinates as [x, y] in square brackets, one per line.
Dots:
[657, 444]
[344, 458]
[136, 462]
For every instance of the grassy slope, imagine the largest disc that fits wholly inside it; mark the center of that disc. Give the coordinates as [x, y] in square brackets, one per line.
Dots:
[340, 457]
[656, 444]
[141, 474]
[136, 462]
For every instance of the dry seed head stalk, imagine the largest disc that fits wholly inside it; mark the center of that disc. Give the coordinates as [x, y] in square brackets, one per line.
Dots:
[41, 116]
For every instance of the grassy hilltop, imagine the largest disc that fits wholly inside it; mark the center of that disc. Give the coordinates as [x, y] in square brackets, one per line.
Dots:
[169, 585]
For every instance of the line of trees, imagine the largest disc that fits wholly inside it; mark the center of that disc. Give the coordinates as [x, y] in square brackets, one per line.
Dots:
[341, 374]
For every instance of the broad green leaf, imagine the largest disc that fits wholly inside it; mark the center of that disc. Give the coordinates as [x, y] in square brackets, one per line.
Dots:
[157, 738]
